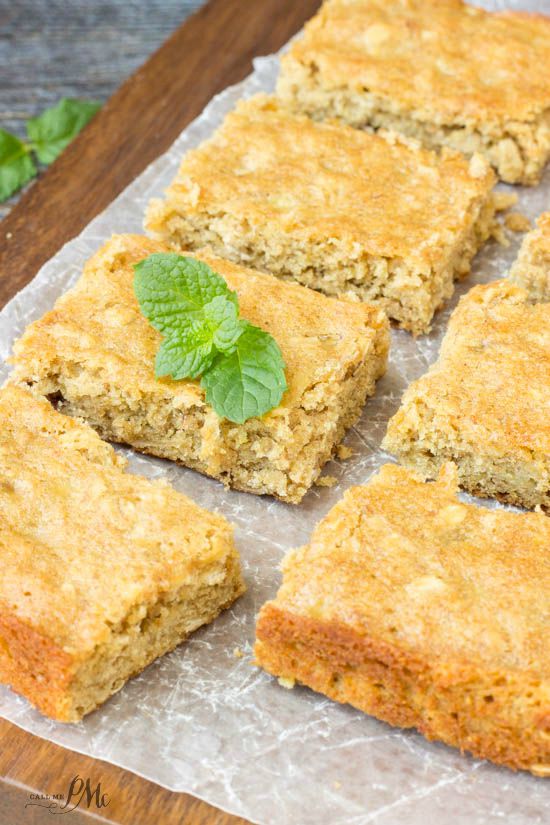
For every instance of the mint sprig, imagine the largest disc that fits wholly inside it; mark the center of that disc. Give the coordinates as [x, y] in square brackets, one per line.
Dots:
[248, 381]
[241, 366]
[53, 130]
[48, 135]
[16, 164]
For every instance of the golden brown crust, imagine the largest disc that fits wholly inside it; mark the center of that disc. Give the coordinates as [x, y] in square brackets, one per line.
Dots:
[447, 61]
[260, 165]
[87, 550]
[34, 666]
[438, 72]
[395, 687]
[424, 612]
[97, 351]
[486, 402]
[56, 473]
[248, 193]
[531, 270]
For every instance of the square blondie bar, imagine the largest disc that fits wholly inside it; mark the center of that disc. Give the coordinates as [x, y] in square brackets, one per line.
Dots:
[424, 612]
[441, 71]
[335, 209]
[485, 404]
[94, 354]
[102, 571]
[531, 269]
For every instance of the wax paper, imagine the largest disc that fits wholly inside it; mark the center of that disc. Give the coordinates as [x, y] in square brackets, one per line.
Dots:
[204, 719]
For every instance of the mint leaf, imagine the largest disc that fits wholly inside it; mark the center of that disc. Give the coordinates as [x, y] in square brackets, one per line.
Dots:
[185, 354]
[250, 381]
[55, 128]
[192, 306]
[16, 165]
[222, 316]
[197, 314]
[189, 351]
[170, 286]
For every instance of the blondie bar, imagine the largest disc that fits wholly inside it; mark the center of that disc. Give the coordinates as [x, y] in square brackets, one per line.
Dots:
[485, 404]
[441, 71]
[102, 571]
[424, 612]
[331, 207]
[94, 354]
[531, 269]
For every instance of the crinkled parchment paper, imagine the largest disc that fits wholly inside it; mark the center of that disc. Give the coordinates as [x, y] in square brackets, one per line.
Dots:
[206, 721]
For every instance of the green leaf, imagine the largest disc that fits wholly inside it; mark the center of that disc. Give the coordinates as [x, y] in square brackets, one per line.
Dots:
[185, 354]
[55, 128]
[250, 381]
[170, 287]
[16, 165]
[222, 316]
[197, 314]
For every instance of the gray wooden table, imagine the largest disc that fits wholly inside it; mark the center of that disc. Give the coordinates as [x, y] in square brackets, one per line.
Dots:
[74, 48]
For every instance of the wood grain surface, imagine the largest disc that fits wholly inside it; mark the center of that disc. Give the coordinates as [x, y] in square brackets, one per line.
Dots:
[30, 766]
[211, 50]
[74, 48]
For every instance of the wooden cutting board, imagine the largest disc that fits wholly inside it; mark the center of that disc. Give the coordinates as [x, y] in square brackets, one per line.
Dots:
[211, 50]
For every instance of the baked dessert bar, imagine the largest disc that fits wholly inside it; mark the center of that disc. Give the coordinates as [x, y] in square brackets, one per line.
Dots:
[531, 269]
[485, 404]
[335, 209]
[94, 354]
[102, 571]
[441, 71]
[424, 612]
